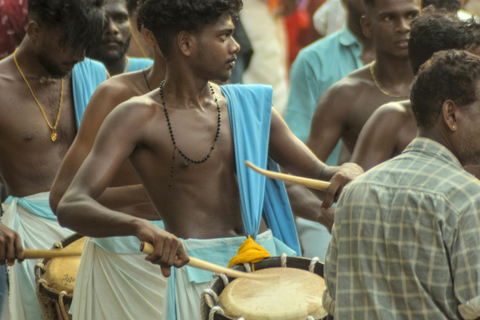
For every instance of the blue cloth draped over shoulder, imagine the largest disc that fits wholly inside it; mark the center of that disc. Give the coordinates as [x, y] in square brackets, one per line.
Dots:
[86, 76]
[250, 108]
[138, 64]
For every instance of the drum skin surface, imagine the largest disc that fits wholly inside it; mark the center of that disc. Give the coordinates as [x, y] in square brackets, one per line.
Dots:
[60, 272]
[288, 293]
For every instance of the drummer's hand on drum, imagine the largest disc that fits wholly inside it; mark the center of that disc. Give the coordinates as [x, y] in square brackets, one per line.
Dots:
[345, 173]
[10, 246]
[168, 249]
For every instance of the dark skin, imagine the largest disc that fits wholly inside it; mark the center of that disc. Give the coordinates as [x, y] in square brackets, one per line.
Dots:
[347, 105]
[201, 193]
[386, 134]
[125, 194]
[112, 48]
[30, 159]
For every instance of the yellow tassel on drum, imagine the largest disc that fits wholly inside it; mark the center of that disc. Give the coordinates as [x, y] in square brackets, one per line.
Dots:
[249, 251]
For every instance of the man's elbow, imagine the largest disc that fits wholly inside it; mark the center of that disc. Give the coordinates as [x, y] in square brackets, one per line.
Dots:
[54, 200]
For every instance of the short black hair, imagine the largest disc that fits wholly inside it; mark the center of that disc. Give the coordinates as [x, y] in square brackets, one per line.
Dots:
[79, 20]
[132, 6]
[449, 75]
[447, 5]
[432, 32]
[167, 18]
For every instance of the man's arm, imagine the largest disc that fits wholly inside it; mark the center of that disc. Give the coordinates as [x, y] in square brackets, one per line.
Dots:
[329, 120]
[119, 135]
[104, 100]
[378, 138]
[293, 155]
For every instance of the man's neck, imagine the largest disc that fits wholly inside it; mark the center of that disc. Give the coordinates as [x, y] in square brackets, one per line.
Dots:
[393, 70]
[117, 67]
[368, 52]
[29, 63]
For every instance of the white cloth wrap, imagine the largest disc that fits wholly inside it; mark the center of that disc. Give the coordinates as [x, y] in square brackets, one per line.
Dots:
[36, 233]
[114, 281]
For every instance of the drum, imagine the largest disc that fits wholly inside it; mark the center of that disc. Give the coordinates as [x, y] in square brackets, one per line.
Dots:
[55, 278]
[293, 291]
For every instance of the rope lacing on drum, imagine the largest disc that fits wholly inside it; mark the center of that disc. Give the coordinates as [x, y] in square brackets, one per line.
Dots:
[58, 245]
[224, 279]
[313, 263]
[283, 260]
[214, 310]
[204, 301]
[40, 265]
[62, 306]
[248, 267]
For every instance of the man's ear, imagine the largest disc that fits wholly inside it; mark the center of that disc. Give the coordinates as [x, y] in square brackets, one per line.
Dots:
[186, 42]
[450, 115]
[366, 27]
[150, 40]
[34, 31]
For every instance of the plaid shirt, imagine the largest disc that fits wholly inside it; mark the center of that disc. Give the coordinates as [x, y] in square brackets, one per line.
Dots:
[406, 240]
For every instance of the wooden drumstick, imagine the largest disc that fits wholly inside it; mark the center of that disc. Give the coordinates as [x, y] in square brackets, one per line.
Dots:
[309, 183]
[204, 265]
[52, 253]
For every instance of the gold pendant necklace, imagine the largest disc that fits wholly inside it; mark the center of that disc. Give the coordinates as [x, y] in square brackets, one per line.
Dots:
[54, 135]
[378, 86]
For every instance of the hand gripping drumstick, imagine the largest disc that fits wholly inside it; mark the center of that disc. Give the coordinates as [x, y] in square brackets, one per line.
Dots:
[204, 265]
[306, 182]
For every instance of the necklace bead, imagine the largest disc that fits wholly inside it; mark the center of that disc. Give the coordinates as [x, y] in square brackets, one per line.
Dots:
[172, 136]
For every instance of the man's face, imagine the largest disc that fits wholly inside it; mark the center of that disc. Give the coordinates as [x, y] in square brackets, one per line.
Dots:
[216, 49]
[58, 60]
[388, 24]
[116, 34]
[469, 145]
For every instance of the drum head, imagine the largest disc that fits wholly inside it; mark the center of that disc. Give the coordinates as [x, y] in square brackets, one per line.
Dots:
[60, 272]
[289, 294]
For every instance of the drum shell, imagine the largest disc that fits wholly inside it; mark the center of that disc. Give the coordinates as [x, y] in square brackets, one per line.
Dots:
[217, 284]
[54, 304]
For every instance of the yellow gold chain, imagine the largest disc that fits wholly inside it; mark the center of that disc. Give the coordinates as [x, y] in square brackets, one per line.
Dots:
[54, 135]
[379, 87]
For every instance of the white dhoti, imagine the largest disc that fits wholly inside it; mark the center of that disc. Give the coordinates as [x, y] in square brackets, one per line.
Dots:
[38, 228]
[115, 282]
[184, 298]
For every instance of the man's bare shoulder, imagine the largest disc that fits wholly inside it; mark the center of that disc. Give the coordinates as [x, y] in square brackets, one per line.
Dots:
[8, 72]
[350, 86]
[395, 110]
[123, 86]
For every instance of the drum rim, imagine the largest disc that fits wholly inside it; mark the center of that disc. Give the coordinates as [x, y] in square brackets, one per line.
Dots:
[216, 283]
[45, 290]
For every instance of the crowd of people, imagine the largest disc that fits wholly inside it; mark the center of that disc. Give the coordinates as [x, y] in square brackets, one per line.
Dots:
[130, 121]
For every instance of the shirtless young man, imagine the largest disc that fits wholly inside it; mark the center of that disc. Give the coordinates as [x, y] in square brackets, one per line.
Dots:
[44, 93]
[392, 126]
[111, 48]
[127, 194]
[348, 104]
[188, 141]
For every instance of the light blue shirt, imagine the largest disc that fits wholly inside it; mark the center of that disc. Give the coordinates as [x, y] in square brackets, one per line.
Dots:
[315, 69]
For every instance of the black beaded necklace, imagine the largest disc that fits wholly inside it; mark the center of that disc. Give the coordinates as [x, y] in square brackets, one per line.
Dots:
[175, 147]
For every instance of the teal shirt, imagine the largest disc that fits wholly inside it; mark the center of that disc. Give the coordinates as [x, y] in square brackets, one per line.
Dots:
[405, 243]
[315, 69]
